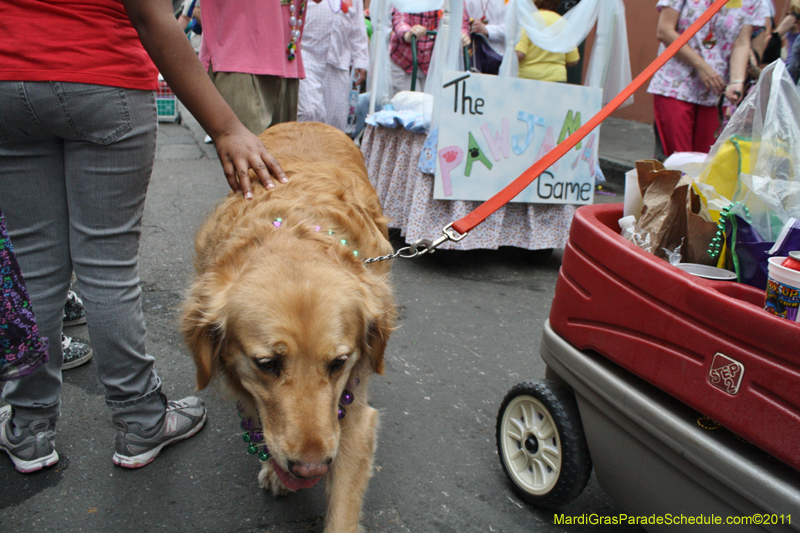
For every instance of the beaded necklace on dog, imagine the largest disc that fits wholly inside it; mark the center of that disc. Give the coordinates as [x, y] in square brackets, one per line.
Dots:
[253, 435]
[278, 222]
[407, 252]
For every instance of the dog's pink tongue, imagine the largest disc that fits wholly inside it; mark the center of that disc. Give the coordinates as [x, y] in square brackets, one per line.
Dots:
[293, 482]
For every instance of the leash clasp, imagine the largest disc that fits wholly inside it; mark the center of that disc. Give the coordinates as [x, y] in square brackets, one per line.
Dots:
[425, 246]
[421, 247]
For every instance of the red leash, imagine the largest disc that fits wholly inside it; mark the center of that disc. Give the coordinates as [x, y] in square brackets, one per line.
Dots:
[468, 223]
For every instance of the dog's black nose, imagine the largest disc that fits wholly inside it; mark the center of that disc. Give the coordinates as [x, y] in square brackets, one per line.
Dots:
[309, 470]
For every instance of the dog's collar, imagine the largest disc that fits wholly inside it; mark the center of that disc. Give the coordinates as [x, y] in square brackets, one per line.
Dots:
[278, 222]
[254, 436]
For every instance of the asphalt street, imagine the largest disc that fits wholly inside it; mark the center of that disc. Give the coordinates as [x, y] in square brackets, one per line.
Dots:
[469, 330]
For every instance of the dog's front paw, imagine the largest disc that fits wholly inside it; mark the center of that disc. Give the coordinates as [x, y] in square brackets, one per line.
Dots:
[269, 480]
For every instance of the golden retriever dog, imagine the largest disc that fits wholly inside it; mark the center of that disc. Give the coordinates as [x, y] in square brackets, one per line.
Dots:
[284, 310]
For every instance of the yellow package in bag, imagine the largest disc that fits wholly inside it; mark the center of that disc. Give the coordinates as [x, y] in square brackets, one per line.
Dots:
[719, 183]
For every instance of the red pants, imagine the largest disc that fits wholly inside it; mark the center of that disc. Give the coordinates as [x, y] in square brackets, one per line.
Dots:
[685, 127]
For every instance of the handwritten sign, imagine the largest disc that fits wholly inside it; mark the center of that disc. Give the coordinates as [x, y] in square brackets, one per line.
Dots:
[491, 129]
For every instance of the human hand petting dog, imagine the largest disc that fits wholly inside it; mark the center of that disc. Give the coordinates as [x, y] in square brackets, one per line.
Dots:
[239, 151]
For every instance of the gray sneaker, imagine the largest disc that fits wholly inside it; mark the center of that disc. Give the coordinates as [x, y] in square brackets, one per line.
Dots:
[30, 449]
[135, 448]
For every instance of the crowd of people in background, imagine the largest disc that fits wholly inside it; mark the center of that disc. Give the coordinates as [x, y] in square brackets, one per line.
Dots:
[697, 90]
[689, 91]
[333, 59]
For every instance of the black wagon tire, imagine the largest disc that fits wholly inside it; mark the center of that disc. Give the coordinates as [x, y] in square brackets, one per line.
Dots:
[541, 443]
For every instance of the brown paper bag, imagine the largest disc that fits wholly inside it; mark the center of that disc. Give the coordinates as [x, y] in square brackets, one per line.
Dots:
[672, 214]
[700, 230]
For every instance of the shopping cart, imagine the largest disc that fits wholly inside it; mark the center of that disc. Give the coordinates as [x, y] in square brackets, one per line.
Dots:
[166, 103]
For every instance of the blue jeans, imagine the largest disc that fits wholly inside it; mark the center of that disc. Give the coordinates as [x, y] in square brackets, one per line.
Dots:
[75, 164]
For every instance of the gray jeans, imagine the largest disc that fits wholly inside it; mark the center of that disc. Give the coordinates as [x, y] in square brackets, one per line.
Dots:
[75, 164]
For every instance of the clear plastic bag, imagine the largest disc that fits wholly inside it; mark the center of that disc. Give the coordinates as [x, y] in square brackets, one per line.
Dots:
[756, 159]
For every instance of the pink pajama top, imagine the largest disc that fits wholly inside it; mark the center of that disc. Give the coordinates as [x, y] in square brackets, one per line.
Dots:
[251, 37]
[677, 79]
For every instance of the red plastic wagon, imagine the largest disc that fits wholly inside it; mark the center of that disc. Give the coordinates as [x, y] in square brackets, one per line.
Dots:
[681, 391]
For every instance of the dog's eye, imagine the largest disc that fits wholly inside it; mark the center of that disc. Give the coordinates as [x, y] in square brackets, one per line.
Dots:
[268, 365]
[337, 364]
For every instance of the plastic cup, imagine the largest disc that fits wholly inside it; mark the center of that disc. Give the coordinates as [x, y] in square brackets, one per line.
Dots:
[783, 290]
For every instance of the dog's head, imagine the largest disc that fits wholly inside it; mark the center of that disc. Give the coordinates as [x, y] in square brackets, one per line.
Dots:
[287, 331]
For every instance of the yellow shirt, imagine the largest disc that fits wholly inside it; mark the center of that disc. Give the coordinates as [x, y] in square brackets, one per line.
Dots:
[540, 64]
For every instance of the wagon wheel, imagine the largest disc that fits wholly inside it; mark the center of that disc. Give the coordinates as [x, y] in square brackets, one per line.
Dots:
[541, 443]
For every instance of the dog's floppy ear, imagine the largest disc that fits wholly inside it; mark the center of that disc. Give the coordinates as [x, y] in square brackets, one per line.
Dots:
[381, 315]
[203, 332]
[377, 337]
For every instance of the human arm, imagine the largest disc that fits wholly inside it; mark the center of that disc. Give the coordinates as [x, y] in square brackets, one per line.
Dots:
[572, 58]
[759, 42]
[495, 27]
[522, 47]
[479, 27]
[667, 33]
[786, 24]
[496, 32]
[238, 149]
[186, 13]
[191, 14]
[403, 28]
[740, 56]
[361, 75]
[417, 31]
[184, 21]
[772, 50]
[359, 43]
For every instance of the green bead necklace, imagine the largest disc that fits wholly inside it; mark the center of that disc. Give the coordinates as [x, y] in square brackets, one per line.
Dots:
[715, 248]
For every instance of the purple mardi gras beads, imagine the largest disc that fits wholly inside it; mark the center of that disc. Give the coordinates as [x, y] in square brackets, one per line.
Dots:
[347, 397]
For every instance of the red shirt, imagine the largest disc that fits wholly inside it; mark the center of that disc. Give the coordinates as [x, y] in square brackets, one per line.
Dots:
[82, 41]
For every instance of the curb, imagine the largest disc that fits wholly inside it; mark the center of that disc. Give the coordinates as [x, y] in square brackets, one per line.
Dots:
[614, 170]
